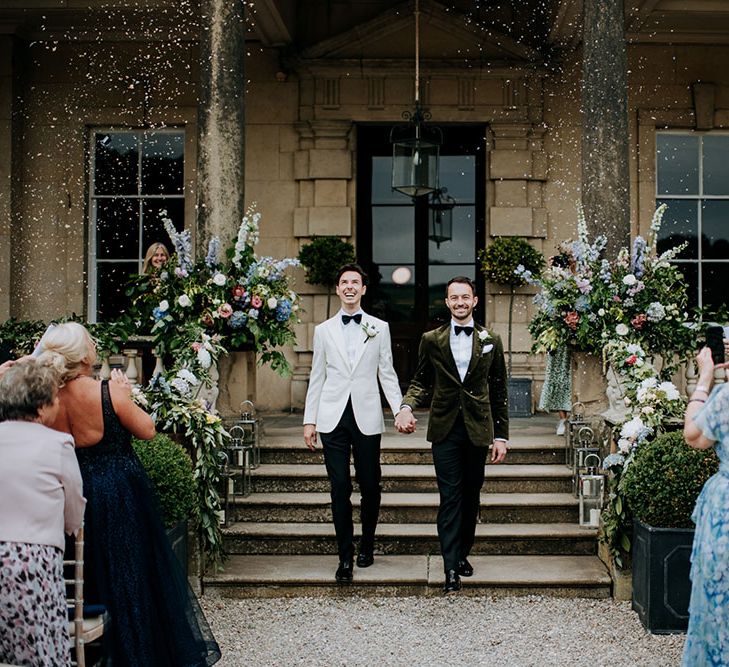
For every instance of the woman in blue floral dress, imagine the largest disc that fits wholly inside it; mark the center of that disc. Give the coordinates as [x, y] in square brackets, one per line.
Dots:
[707, 425]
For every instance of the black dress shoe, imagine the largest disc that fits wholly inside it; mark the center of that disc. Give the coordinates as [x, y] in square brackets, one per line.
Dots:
[452, 582]
[344, 572]
[365, 560]
[465, 569]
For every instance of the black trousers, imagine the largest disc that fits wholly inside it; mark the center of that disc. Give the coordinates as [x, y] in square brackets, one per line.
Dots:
[365, 449]
[459, 467]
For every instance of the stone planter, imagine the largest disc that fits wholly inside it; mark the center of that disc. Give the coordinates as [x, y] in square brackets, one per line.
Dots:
[520, 397]
[661, 583]
[177, 535]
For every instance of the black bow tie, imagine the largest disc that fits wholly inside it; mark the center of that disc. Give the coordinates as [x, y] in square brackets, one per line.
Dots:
[346, 319]
[466, 330]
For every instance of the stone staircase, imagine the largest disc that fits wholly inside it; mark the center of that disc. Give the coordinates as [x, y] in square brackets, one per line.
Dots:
[281, 539]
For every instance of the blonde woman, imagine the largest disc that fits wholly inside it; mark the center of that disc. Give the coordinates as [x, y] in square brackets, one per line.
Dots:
[155, 258]
[130, 566]
[40, 497]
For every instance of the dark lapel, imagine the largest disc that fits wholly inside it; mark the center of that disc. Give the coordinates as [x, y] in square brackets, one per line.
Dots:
[475, 349]
[443, 339]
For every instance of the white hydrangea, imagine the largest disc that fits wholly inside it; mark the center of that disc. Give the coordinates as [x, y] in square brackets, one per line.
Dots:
[672, 393]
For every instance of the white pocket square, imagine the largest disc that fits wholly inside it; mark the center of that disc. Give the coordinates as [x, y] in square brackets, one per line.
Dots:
[487, 348]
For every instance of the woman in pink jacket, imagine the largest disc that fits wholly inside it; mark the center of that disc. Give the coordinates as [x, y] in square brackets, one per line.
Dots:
[40, 498]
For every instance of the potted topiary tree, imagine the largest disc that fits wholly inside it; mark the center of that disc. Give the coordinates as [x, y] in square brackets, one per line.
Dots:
[170, 471]
[660, 486]
[499, 263]
[322, 258]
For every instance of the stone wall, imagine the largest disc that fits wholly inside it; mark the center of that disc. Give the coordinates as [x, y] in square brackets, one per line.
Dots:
[301, 144]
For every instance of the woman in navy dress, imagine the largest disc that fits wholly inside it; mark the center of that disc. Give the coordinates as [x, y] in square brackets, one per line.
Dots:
[130, 566]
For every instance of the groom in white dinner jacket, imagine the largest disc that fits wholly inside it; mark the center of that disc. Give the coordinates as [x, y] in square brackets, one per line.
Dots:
[351, 351]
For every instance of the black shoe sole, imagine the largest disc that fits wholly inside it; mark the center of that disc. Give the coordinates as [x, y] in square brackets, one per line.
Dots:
[365, 563]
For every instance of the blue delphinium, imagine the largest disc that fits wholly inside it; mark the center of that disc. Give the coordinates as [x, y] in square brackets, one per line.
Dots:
[637, 258]
[212, 258]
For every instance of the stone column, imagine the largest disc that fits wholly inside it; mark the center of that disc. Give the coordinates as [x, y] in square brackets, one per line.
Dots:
[605, 137]
[6, 170]
[221, 122]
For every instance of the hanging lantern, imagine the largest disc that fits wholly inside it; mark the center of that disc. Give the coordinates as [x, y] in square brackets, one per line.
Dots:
[415, 145]
[440, 227]
[592, 491]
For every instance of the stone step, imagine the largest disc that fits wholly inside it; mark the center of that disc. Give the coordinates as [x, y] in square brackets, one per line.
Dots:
[405, 478]
[413, 538]
[529, 450]
[407, 507]
[289, 576]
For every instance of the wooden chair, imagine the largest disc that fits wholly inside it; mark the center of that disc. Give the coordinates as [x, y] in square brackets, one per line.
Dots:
[81, 630]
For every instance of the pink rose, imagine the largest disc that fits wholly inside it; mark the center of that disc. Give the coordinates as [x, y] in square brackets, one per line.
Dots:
[256, 301]
[226, 310]
[639, 320]
[631, 360]
[571, 319]
[196, 346]
[238, 292]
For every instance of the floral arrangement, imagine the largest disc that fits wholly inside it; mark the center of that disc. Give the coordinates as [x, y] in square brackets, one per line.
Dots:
[630, 310]
[175, 401]
[236, 297]
[586, 301]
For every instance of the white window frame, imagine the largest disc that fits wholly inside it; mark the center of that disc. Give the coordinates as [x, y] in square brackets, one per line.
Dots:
[92, 291]
[699, 198]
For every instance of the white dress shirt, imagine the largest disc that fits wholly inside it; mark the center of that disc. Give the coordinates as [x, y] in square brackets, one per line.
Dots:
[352, 334]
[462, 348]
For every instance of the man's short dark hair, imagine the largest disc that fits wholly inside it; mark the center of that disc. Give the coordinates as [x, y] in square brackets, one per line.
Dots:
[461, 279]
[353, 267]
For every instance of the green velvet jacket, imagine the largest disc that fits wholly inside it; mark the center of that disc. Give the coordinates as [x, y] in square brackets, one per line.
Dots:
[482, 395]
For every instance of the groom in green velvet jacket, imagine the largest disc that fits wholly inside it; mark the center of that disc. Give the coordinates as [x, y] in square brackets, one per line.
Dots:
[462, 374]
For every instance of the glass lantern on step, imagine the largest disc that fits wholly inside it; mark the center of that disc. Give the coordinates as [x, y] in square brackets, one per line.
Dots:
[225, 483]
[591, 492]
[585, 445]
[576, 421]
[240, 456]
[250, 423]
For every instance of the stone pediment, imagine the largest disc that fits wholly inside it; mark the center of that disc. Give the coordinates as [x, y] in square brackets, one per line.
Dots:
[445, 34]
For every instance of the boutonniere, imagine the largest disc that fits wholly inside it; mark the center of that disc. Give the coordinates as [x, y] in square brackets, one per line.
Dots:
[484, 336]
[370, 330]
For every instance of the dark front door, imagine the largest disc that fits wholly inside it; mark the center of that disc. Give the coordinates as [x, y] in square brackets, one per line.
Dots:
[408, 271]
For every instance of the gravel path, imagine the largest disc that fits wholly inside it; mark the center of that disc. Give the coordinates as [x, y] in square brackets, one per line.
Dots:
[435, 632]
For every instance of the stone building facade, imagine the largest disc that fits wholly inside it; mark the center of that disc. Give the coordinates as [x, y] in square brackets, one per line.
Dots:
[67, 74]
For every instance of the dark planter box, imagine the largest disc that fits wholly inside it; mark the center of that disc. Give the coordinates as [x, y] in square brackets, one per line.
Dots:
[177, 535]
[661, 584]
[520, 397]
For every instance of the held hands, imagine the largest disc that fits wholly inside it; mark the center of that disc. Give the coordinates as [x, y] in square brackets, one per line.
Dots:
[498, 451]
[310, 436]
[405, 421]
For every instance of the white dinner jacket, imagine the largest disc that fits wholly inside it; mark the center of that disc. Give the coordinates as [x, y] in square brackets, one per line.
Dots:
[333, 379]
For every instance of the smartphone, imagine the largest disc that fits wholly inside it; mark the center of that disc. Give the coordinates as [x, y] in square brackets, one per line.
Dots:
[715, 342]
[41, 347]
